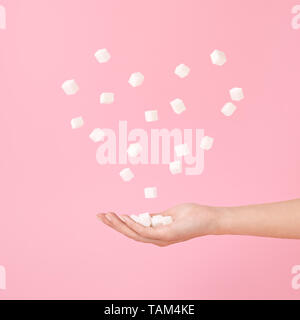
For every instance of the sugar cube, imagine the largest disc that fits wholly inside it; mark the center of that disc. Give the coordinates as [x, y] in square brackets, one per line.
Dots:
[236, 94]
[107, 98]
[135, 218]
[70, 87]
[182, 150]
[136, 79]
[182, 71]
[157, 220]
[228, 109]
[151, 115]
[77, 123]
[175, 167]
[167, 220]
[178, 106]
[206, 143]
[126, 174]
[145, 219]
[150, 192]
[218, 57]
[134, 149]
[97, 135]
[102, 55]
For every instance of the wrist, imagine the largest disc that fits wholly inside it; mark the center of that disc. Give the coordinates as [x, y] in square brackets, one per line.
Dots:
[222, 220]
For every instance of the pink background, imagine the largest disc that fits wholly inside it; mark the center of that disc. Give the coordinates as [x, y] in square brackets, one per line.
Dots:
[51, 243]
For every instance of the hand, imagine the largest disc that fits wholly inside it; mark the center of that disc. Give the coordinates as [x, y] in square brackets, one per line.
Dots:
[189, 221]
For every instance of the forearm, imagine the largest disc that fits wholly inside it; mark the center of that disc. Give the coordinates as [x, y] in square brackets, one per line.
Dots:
[278, 220]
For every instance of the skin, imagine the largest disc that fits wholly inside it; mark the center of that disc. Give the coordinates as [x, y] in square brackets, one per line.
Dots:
[278, 220]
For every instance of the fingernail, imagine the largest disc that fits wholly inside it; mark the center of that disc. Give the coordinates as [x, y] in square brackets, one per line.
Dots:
[99, 215]
[108, 217]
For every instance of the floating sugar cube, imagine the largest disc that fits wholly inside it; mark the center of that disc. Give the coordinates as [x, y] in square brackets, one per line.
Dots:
[126, 174]
[135, 218]
[107, 98]
[228, 109]
[134, 150]
[145, 219]
[182, 71]
[236, 94]
[70, 87]
[218, 58]
[77, 123]
[167, 220]
[151, 115]
[206, 143]
[175, 167]
[157, 220]
[102, 56]
[2, 19]
[136, 79]
[178, 106]
[150, 193]
[97, 135]
[182, 150]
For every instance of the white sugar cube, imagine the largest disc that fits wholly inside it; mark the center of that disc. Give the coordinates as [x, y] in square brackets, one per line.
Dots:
[157, 220]
[167, 220]
[145, 219]
[182, 150]
[126, 174]
[218, 57]
[151, 115]
[102, 56]
[134, 150]
[228, 109]
[107, 98]
[236, 94]
[182, 71]
[136, 79]
[77, 123]
[206, 143]
[178, 106]
[135, 218]
[175, 167]
[150, 193]
[97, 135]
[70, 87]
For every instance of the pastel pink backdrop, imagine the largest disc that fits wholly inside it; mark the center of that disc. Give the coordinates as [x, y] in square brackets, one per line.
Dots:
[51, 243]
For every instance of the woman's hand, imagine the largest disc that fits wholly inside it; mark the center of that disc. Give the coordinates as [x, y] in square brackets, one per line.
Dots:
[189, 221]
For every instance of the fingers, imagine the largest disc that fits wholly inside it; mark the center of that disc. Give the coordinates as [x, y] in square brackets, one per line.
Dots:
[113, 221]
[159, 233]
